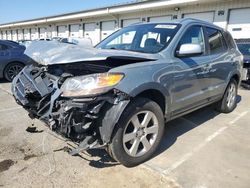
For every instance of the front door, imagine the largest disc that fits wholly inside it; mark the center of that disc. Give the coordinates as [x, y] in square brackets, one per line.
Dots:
[191, 82]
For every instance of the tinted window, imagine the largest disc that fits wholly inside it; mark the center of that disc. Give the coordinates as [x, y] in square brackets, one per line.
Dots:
[193, 35]
[215, 40]
[230, 40]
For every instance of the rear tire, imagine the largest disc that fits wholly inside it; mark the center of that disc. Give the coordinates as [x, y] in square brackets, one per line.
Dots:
[229, 101]
[138, 133]
[11, 70]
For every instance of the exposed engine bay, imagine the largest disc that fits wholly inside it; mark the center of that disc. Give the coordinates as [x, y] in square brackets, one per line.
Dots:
[88, 121]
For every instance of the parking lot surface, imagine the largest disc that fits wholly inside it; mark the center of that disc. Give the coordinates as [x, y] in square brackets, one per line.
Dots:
[202, 149]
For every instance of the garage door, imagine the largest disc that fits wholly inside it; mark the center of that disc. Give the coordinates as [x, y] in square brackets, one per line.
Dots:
[91, 33]
[14, 35]
[49, 32]
[4, 35]
[128, 22]
[107, 28]
[62, 31]
[75, 30]
[42, 33]
[160, 19]
[20, 34]
[34, 34]
[239, 23]
[9, 37]
[206, 16]
[27, 34]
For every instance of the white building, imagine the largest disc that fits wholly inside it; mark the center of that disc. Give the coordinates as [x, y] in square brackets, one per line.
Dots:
[96, 24]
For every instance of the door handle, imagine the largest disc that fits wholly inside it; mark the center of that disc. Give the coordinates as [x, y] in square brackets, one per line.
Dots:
[207, 67]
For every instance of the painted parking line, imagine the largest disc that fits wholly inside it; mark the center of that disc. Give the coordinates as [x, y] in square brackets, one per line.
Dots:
[188, 155]
[10, 109]
[238, 118]
[5, 90]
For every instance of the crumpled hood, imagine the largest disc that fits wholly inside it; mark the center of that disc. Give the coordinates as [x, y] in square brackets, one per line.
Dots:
[54, 52]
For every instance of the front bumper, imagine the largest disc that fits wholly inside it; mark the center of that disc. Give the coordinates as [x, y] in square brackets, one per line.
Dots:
[83, 120]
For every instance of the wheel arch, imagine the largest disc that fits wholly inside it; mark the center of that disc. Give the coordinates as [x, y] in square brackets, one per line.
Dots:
[236, 77]
[114, 112]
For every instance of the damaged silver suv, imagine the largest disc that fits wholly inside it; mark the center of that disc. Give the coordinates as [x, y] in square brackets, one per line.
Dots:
[120, 94]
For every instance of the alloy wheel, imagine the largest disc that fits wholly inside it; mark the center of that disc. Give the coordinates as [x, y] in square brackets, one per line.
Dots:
[140, 133]
[231, 96]
[13, 70]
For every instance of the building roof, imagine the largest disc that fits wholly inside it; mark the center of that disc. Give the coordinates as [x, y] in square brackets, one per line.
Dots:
[127, 7]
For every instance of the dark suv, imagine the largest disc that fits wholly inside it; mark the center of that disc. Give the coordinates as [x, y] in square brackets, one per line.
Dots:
[120, 94]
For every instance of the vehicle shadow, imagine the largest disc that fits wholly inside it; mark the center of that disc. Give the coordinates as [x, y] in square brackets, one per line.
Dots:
[3, 81]
[103, 161]
[173, 130]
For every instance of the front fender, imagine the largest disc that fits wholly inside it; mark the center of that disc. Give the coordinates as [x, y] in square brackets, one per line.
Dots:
[153, 86]
[110, 118]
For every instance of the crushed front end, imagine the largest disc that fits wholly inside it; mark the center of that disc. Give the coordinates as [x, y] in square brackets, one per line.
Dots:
[86, 120]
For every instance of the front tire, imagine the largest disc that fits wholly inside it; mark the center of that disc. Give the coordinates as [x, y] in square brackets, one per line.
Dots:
[138, 133]
[11, 70]
[229, 101]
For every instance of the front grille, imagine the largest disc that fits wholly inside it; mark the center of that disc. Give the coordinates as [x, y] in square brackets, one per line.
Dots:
[29, 87]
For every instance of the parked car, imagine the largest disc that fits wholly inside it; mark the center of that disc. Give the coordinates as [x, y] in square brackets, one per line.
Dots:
[244, 47]
[78, 41]
[120, 94]
[12, 59]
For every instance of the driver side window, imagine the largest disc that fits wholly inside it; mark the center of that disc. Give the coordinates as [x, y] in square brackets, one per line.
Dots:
[193, 35]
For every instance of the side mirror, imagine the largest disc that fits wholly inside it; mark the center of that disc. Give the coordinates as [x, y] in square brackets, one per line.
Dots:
[189, 50]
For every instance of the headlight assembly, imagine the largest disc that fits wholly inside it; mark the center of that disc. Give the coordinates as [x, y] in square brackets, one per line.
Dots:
[90, 84]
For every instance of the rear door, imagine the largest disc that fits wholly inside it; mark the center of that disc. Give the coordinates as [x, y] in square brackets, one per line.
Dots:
[190, 77]
[222, 61]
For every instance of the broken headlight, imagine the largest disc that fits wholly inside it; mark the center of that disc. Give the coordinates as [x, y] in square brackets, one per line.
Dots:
[90, 84]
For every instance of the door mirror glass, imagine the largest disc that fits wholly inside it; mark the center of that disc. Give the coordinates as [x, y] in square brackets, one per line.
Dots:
[190, 50]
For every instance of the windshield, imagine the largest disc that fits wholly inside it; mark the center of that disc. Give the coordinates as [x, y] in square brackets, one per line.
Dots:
[244, 48]
[147, 38]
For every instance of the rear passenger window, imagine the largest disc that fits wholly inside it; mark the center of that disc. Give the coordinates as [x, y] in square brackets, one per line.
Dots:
[216, 41]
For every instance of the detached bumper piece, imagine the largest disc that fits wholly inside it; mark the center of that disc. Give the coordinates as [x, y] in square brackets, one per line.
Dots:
[79, 119]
